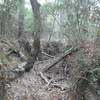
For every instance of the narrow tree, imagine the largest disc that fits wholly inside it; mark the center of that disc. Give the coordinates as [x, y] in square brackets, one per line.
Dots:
[36, 34]
[37, 24]
[21, 17]
[2, 23]
[3, 15]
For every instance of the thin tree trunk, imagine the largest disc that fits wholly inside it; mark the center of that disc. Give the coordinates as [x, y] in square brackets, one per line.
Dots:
[21, 18]
[3, 18]
[37, 23]
[36, 34]
[2, 23]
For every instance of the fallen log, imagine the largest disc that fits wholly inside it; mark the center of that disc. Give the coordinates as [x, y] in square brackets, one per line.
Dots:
[17, 71]
[57, 60]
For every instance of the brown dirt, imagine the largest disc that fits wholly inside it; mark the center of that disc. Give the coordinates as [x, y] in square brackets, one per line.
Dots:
[31, 87]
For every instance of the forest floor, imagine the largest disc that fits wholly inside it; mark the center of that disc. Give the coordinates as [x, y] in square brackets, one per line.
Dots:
[55, 86]
[30, 86]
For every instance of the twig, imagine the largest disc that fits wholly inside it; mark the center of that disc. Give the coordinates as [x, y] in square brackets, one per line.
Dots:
[62, 88]
[47, 55]
[43, 77]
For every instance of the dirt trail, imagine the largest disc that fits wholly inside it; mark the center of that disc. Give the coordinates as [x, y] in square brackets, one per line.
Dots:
[31, 87]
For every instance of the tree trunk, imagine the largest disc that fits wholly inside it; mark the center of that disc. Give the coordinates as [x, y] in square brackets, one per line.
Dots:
[21, 18]
[37, 23]
[2, 18]
[36, 34]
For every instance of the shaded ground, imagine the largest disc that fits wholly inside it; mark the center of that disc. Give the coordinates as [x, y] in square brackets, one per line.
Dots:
[31, 86]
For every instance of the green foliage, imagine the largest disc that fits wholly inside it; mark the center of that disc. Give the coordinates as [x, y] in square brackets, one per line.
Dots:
[94, 77]
[94, 73]
[98, 92]
[76, 20]
[82, 61]
[4, 59]
[98, 31]
[96, 61]
[10, 5]
[90, 68]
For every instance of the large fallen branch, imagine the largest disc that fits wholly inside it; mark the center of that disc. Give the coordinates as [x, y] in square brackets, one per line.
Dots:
[57, 60]
[19, 70]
